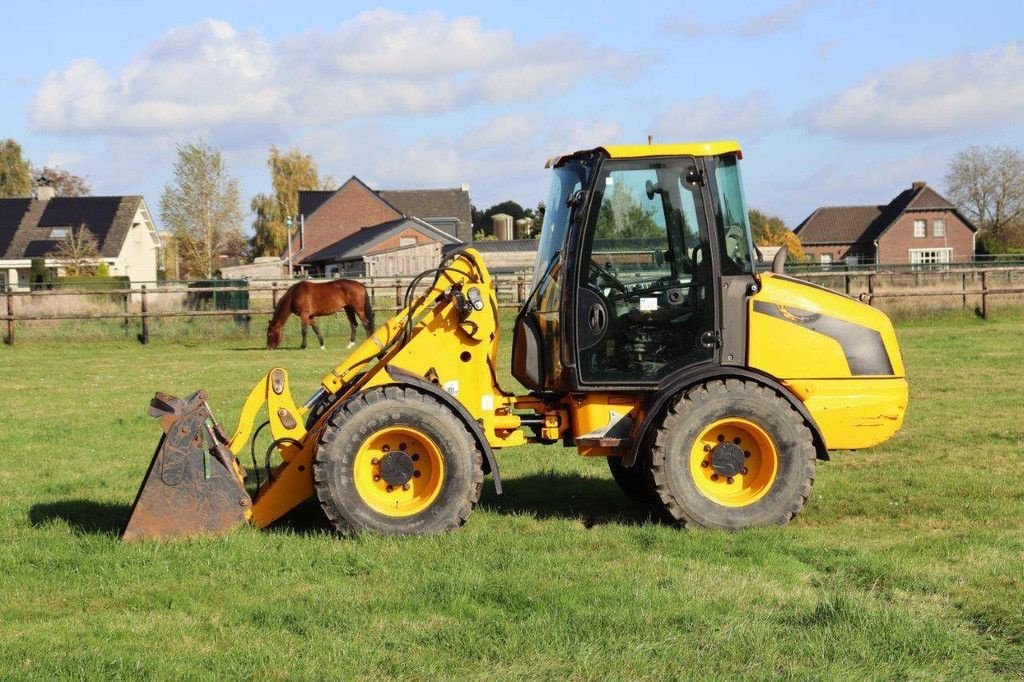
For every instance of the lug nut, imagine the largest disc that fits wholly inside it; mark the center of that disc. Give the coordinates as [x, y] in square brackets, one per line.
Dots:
[721, 438]
[376, 478]
[386, 448]
[704, 464]
[707, 448]
[744, 471]
[714, 477]
[416, 474]
[746, 453]
[401, 446]
[736, 440]
[415, 458]
[390, 488]
[374, 461]
[729, 480]
[405, 487]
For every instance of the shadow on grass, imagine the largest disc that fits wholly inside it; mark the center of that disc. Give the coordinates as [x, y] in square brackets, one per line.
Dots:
[548, 495]
[83, 516]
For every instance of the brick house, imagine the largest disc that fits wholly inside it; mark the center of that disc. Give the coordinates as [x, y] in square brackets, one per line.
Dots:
[33, 227]
[396, 248]
[918, 227]
[328, 219]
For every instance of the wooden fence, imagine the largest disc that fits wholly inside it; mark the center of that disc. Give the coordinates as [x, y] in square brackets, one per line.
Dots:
[136, 310]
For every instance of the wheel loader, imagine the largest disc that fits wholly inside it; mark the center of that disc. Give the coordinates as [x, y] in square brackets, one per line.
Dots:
[649, 338]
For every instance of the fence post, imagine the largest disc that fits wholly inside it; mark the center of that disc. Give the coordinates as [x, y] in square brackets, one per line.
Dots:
[10, 318]
[144, 336]
[871, 288]
[273, 295]
[398, 295]
[846, 281]
[963, 288]
[984, 294]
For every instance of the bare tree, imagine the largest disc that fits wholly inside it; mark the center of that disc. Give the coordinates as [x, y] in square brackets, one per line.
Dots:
[987, 184]
[66, 183]
[202, 209]
[78, 251]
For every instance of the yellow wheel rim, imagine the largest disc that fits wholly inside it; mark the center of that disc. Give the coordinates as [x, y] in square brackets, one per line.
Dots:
[399, 471]
[734, 462]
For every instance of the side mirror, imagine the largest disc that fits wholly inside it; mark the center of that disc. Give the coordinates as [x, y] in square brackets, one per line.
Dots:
[779, 262]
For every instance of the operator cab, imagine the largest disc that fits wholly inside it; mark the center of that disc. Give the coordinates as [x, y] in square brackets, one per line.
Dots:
[640, 248]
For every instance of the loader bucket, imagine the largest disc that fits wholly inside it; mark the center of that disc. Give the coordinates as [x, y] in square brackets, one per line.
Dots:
[192, 486]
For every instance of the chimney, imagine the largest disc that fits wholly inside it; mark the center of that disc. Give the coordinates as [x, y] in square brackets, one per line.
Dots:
[45, 193]
[918, 185]
[465, 187]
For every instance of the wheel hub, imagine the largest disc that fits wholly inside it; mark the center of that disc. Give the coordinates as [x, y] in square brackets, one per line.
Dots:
[727, 459]
[396, 468]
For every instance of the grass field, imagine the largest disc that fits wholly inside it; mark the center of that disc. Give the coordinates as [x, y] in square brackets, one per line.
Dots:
[908, 561]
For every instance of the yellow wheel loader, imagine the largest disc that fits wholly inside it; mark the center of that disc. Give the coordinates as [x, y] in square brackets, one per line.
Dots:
[648, 338]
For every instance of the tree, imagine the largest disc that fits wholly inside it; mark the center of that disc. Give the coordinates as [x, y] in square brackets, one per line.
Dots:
[482, 221]
[15, 173]
[78, 251]
[66, 183]
[987, 185]
[201, 206]
[290, 172]
[621, 216]
[769, 230]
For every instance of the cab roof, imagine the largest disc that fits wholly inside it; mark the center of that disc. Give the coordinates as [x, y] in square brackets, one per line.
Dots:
[637, 151]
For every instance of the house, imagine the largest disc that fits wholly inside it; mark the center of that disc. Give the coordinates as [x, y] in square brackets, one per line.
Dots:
[34, 227]
[327, 219]
[401, 247]
[919, 226]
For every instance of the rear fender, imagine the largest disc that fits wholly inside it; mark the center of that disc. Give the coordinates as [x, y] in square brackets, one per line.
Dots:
[659, 402]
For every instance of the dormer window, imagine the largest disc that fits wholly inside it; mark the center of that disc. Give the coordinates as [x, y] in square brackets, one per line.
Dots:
[59, 232]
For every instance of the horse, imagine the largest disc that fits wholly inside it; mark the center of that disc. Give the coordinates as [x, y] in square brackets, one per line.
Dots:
[309, 300]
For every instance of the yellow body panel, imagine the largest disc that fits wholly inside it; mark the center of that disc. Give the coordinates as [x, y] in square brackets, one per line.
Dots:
[839, 356]
[637, 151]
[854, 413]
[602, 415]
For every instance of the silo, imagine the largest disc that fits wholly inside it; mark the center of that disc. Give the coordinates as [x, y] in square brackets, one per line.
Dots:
[501, 224]
[524, 228]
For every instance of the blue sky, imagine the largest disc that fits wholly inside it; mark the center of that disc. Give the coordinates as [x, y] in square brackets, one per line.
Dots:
[834, 101]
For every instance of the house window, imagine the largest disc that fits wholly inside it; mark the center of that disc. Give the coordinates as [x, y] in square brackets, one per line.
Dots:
[939, 227]
[826, 258]
[58, 233]
[930, 256]
[406, 241]
[919, 227]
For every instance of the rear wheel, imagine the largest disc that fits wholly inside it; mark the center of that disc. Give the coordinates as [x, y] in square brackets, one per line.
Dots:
[395, 460]
[732, 454]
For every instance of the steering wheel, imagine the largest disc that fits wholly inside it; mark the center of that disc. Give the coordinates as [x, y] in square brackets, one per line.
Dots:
[612, 280]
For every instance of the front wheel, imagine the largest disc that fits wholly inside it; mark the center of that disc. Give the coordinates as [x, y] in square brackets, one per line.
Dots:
[732, 454]
[395, 460]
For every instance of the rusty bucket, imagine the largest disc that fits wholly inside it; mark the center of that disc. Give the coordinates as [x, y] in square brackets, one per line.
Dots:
[193, 486]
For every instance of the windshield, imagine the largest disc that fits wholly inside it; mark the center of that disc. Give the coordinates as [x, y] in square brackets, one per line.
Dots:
[547, 275]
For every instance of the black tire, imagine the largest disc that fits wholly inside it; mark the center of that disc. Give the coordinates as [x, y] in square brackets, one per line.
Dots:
[635, 481]
[706, 404]
[367, 413]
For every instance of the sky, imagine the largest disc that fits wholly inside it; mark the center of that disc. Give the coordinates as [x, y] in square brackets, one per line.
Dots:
[835, 102]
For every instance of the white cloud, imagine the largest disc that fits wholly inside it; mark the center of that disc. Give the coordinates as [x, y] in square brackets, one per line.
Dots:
[716, 117]
[787, 16]
[965, 92]
[208, 74]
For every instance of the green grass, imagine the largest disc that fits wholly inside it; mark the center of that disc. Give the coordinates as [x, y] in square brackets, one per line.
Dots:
[908, 561]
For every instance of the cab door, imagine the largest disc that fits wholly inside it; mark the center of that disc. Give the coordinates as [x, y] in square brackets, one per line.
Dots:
[644, 283]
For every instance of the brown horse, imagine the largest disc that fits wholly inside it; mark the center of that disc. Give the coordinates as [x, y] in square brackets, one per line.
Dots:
[309, 300]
